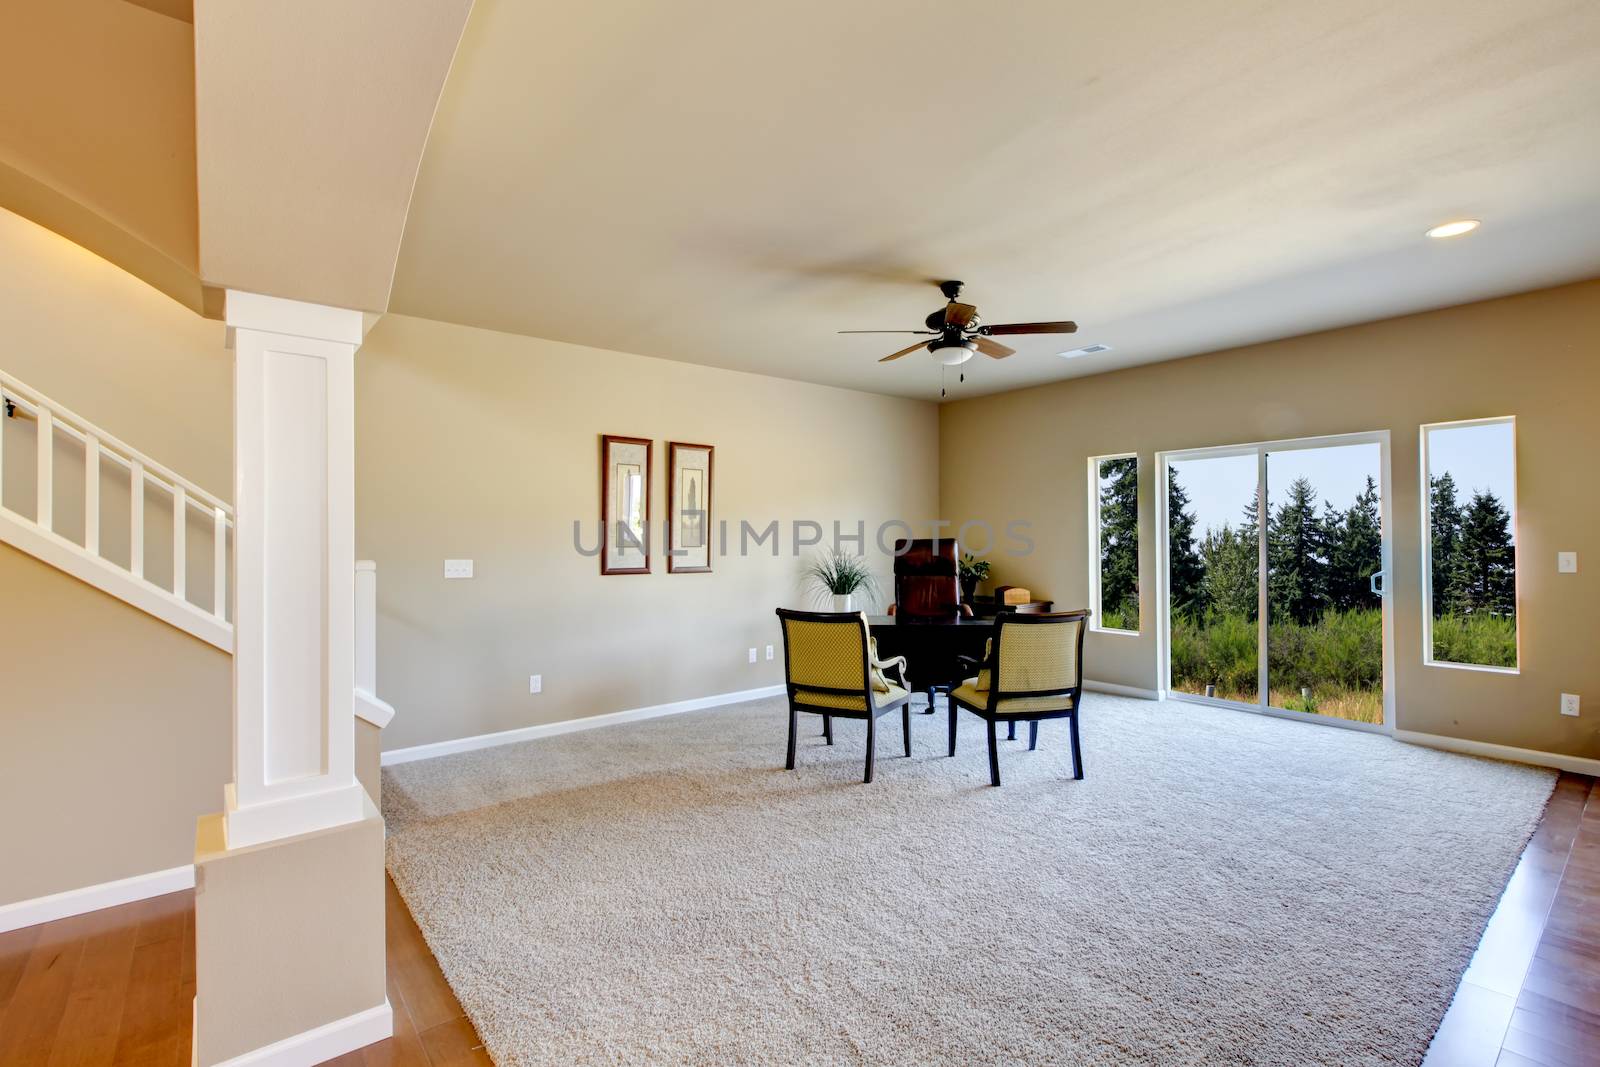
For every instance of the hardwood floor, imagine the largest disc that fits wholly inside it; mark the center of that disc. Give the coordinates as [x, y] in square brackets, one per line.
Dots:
[1531, 995]
[115, 986]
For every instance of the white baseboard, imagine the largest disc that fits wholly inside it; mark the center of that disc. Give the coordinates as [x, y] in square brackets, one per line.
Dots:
[567, 726]
[94, 897]
[1575, 764]
[1120, 690]
[319, 1045]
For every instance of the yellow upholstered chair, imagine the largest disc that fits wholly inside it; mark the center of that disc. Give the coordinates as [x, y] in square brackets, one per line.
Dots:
[1033, 670]
[830, 672]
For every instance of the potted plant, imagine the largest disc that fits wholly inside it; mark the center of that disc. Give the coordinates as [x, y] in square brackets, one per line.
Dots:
[971, 570]
[835, 575]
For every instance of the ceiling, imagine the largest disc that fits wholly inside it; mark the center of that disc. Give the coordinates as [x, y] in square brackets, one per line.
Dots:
[730, 183]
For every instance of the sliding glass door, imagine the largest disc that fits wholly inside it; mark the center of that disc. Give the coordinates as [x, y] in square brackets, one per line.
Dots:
[1274, 563]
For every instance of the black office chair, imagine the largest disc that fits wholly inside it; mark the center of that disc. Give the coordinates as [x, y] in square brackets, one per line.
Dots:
[927, 585]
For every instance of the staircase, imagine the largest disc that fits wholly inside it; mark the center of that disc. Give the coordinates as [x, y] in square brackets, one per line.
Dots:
[86, 503]
[93, 506]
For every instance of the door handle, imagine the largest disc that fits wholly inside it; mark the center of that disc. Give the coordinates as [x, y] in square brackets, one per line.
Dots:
[1379, 582]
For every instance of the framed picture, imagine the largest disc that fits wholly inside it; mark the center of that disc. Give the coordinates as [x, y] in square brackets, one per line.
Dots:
[624, 505]
[688, 508]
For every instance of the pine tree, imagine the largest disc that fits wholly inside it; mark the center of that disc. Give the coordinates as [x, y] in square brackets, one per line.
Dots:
[1297, 565]
[1119, 540]
[1230, 558]
[1485, 575]
[1354, 541]
[1185, 571]
[1444, 515]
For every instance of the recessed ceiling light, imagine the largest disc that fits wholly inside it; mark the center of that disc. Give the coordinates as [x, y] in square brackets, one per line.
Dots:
[1086, 350]
[1454, 229]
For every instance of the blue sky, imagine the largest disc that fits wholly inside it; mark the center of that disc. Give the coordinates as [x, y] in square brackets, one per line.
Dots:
[1479, 457]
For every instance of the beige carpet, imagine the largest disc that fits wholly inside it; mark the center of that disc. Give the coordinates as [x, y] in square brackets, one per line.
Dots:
[1221, 889]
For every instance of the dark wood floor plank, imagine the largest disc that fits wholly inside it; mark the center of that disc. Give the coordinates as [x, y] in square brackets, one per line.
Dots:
[1511, 1059]
[87, 1036]
[33, 1016]
[429, 998]
[15, 945]
[404, 1049]
[455, 1044]
[1563, 1031]
[1472, 1029]
[1547, 1050]
[164, 917]
[156, 1023]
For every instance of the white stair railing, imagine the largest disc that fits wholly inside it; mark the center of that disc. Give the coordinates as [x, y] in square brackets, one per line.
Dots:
[40, 534]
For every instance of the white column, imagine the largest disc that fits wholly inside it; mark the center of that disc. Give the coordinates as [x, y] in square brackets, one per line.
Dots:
[294, 573]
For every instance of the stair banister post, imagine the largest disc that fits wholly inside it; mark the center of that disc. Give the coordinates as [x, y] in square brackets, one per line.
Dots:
[44, 513]
[91, 494]
[367, 626]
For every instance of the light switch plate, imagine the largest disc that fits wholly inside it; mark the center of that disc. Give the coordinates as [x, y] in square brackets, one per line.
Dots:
[458, 568]
[1569, 704]
[769, 651]
[1567, 562]
[752, 655]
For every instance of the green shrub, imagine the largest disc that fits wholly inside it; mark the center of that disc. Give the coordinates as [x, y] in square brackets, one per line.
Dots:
[1486, 640]
[1125, 616]
[1339, 659]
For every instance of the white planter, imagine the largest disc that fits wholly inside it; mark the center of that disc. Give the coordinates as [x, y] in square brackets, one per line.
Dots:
[844, 602]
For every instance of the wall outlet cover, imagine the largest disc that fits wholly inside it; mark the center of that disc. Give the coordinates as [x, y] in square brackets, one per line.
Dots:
[458, 568]
[1569, 704]
[769, 651]
[535, 683]
[752, 655]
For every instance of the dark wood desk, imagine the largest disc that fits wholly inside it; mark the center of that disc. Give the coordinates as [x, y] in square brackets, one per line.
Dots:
[930, 646]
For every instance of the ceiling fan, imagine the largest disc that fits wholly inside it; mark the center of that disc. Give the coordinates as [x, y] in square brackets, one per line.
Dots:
[959, 334]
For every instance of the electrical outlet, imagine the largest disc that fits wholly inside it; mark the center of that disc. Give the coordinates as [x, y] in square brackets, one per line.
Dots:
[458, 568]
[752, 655]
[769, 651]
[1569, 704]
[1567, 562]
[535, 683]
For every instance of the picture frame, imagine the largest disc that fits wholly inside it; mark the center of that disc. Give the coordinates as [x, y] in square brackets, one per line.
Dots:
[624, 504]
[690, 468]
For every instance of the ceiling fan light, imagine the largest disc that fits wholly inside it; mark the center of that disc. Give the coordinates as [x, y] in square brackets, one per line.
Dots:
[1454, 228]
[952, 355]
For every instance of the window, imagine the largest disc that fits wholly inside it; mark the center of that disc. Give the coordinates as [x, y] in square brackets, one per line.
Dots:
[1114, 531]
[1469, 543]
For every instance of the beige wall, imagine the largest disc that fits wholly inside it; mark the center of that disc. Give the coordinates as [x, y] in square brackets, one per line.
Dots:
[100, 142]
[90, 336]
[1022, 455]
[115, 735]
[114, 728]
[482, 445]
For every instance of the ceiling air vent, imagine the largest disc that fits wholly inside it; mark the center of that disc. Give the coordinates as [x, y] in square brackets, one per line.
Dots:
[1086, 350]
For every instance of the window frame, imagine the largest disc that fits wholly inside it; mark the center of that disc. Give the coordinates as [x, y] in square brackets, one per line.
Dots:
[1426, 553]
[1094, 543]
